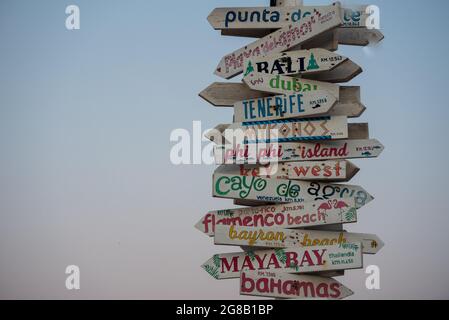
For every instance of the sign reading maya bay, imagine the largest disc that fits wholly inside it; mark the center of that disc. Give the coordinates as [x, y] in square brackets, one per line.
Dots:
[290, 215]
[284, 106]
[289, 238]
[293, 34]
[291, 286]
[298, 151]
[293, 260]
[283, 191]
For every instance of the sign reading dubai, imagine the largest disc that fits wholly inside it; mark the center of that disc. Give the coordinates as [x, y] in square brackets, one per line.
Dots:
[232, 186]
[308, 214]
[294, 260]
[295, 62]
[295, 33]
[290, 238]
[285, 285]
[284, 106]
[304, 151]
[319, 128]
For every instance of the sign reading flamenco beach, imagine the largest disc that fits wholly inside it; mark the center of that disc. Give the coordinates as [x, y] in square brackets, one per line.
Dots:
[304, 151]
[290, 238]
[308, 214]
[292, 260]
[284, 106]
[232, 186]
[321, 20]
[291, 286]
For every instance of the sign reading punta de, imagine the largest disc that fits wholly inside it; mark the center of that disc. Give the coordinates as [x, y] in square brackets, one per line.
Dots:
[321, 20]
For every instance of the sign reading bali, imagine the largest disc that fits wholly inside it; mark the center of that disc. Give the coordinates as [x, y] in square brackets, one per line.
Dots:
[284, 285]
[294, 260]
[308, 214]
[290, 238]
[295, 33]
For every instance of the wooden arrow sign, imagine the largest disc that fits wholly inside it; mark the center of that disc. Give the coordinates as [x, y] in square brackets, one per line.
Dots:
[291, 286]
[359, 36]
[316, 63]
[289, 238]
[320, 128]
[280, 107]
[306, 151]
[231, 186]
[292, 260]
[326, 170]
[308, 214]
[226, 94]
[287, 85]
[268, 18]
[281, 40]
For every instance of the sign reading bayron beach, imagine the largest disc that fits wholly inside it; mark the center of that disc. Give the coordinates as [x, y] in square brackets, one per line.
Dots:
[308, 214]
[293, 260]
[304, 151]
[232, 186]
[289, 238]
[284, 106]
[291, 286]
[319, 128]
[295, 33]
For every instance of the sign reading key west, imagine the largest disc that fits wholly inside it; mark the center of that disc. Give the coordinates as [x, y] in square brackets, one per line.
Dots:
[293, 260]
[295, 33]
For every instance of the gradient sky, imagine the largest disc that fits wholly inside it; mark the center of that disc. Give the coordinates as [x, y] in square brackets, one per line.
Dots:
[85, 174]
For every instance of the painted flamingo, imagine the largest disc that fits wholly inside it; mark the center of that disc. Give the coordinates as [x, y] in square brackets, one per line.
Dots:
[324, 207]
[341, 205]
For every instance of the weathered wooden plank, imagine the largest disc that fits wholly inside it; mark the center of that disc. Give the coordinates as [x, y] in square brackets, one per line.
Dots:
[293, 34]
[345, 72]
[291, 260]
[359, 36]
[274, 237]
[231, 186]
[290, 286]
[298, 151]
[309, 214]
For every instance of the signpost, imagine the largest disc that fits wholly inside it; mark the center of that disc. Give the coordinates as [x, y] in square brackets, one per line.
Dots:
[287, 85]
[293, 34]
[327, 170]
[304, 151]
[228, 185]
[290, 260]
[308, 214]
[315, 63]
[274, 237]
[319, 128]
[296, 105]
[290, 286]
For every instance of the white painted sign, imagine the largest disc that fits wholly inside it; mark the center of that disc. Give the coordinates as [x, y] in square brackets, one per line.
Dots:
[290, 215]
[291, 260]
[273, 237]
[293, 34]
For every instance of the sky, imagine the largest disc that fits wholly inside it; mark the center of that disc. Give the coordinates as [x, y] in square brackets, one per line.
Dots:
[85, 171]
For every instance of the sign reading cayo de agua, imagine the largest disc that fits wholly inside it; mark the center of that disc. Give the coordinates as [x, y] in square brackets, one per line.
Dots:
[297, 151]
[308, 214]
[291, 286]
[284, 107]
[318, 128]
[230, 186]
[290, 238]
[328, 66]
[292, 260]
[293, 34]
[276, 17]
[326, 170]
[287, 85]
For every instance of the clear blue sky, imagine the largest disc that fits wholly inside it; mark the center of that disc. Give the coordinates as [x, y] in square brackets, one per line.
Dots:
[85, 119]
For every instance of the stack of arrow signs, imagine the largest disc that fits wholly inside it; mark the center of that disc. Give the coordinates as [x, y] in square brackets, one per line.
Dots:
[287, 169]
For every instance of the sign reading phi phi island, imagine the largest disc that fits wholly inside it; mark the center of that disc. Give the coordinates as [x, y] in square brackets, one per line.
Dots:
[284, 157]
